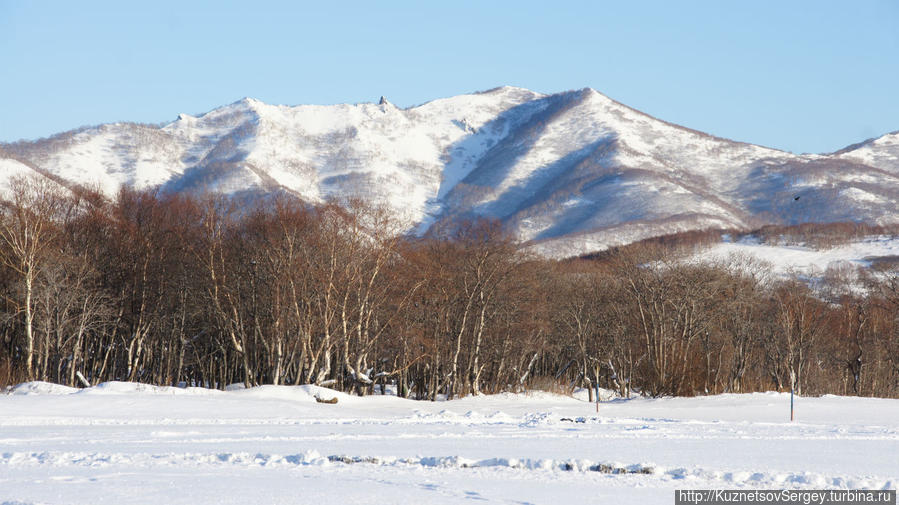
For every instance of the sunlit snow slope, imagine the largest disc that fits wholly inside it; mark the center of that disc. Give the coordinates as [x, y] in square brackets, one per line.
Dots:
[572, 172]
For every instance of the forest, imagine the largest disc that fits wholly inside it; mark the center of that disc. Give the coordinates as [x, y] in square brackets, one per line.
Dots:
[173, 289]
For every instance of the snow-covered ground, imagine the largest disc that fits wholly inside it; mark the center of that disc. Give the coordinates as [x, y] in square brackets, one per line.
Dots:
[805, 261]
[124, 443]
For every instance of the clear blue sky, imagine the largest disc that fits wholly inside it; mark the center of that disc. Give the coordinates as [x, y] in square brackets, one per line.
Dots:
[804, 76]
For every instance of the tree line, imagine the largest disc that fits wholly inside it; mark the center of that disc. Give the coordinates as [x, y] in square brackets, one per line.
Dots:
[173, 289]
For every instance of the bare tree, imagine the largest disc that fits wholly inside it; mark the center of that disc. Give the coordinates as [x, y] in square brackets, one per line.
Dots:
[27, 230]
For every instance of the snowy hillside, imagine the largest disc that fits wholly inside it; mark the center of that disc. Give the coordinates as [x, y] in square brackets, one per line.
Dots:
[12, 170]
[127, 443]
[808, 262]
[572, 172]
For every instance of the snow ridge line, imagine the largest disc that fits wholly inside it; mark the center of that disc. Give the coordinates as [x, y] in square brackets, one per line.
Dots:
[743, 478]
[309, 458]
[194, 421]
[515, 463]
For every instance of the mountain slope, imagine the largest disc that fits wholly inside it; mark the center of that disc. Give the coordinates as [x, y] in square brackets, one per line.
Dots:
[13, 170]
[571, 172]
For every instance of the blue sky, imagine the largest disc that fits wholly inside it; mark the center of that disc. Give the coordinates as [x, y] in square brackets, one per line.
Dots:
[799, 75]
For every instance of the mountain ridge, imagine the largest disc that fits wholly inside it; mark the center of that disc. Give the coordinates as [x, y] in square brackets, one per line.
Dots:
[568, 172]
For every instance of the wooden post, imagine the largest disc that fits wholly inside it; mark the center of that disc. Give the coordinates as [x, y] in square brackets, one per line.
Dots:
[597, 397]
[791, 404]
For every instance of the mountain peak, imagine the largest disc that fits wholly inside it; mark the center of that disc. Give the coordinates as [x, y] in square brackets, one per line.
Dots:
[571, 172]
[245, 103]
[505, 90]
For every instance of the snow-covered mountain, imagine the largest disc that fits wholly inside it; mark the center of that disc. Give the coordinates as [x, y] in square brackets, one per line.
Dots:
[571, 172]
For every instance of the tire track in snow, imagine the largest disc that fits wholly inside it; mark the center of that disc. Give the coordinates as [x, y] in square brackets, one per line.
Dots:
[690, 476]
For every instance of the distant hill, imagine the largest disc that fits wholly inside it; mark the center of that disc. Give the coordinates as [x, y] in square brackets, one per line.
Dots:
[571, 172]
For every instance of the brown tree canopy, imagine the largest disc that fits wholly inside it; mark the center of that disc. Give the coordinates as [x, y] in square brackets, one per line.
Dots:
[172, 289]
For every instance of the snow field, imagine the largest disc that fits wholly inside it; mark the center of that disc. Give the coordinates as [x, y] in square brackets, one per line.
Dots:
[805, 261]
[128, 443]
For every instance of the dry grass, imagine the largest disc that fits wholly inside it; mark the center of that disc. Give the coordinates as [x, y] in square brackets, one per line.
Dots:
[550, 385]
[9, 374]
